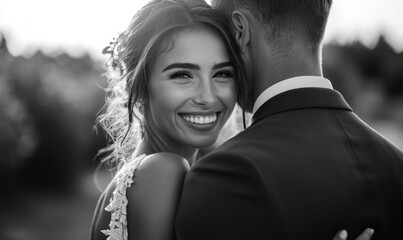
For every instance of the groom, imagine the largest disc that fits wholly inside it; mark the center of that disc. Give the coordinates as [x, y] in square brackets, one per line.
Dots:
[307, 166]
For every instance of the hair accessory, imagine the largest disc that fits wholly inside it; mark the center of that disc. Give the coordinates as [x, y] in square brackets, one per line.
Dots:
[114, 49]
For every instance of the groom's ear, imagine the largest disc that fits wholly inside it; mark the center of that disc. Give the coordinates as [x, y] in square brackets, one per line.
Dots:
[241, 29]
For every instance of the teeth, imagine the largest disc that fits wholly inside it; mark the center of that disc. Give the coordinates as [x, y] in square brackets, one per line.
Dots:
[199, 119]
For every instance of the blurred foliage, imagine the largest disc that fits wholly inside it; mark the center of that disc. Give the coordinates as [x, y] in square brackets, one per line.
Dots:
[47, 111]
[380, 65]
[48, 106]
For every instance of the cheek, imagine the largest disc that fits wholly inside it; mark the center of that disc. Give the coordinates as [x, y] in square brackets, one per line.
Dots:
[152, 98]
[228, 95]
[159, 101]
[165, 98]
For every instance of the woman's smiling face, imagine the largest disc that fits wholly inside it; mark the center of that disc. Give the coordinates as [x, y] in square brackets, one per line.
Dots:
[191, 89]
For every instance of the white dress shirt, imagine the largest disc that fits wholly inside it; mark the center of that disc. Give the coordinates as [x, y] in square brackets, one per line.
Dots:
[290, 84]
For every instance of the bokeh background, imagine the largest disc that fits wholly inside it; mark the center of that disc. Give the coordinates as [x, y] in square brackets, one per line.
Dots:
[51, 90]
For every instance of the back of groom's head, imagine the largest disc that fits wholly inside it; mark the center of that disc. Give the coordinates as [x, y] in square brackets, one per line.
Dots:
[284, 21]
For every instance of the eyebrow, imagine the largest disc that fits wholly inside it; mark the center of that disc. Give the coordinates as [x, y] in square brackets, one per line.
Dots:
[222, 65]
[182, 65]
[195, 67]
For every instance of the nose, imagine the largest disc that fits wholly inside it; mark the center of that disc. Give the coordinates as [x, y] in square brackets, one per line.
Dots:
[205, 94]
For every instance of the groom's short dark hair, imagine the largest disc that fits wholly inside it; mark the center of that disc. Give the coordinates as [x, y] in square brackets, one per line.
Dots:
[288, 19]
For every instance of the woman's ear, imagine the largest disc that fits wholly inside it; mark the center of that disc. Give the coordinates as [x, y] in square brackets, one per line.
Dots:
[241, 29]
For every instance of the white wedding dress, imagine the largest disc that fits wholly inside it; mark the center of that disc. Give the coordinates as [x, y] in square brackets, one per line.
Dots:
[118, 202]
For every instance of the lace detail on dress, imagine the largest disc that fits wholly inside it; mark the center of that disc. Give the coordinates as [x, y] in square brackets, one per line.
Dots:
[118, 202]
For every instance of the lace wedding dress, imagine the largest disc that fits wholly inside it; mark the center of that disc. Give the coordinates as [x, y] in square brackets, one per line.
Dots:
[118, 202]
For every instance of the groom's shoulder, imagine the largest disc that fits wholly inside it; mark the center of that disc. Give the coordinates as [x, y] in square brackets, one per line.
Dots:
[245, 140]
[231, 157]
[242, 146]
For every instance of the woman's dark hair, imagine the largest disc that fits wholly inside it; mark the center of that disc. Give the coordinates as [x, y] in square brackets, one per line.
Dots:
[131, 55]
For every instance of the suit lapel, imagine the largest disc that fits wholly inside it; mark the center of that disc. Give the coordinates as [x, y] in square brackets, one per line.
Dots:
[299, 99]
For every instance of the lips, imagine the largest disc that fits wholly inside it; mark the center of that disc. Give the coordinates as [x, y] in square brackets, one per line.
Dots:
[200, 119]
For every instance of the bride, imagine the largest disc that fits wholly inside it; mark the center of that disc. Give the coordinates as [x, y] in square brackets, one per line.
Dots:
[174, 78]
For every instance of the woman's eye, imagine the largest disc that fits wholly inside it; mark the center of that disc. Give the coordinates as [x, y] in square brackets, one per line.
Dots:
[224, 74]
[180, 75]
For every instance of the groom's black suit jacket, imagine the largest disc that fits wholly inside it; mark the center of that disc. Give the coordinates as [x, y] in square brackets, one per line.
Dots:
[305, 168]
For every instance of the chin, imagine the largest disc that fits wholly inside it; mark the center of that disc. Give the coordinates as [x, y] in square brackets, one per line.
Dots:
[200, 142]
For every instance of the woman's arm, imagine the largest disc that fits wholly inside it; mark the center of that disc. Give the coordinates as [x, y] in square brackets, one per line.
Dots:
[154, 196]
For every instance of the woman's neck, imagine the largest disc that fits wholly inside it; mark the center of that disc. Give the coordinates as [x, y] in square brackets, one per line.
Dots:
[153, 142]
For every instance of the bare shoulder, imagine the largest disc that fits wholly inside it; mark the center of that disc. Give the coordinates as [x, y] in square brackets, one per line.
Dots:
[163, 163]
[157, 186]
[158, 171]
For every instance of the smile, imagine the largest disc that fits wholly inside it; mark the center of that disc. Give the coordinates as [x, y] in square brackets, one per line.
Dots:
[200, 119]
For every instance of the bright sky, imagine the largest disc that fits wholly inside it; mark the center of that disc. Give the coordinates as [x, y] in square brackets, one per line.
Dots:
[88, 25]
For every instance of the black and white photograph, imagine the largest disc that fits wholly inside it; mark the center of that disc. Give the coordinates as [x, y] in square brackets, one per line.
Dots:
[201, 120]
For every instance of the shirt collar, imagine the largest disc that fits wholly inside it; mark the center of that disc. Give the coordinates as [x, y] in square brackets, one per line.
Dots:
[290, 84]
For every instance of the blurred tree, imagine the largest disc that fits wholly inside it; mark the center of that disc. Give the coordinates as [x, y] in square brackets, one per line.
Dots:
[47, 111]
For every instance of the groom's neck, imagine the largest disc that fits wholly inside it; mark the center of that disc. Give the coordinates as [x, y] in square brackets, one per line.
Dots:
[273, 68]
